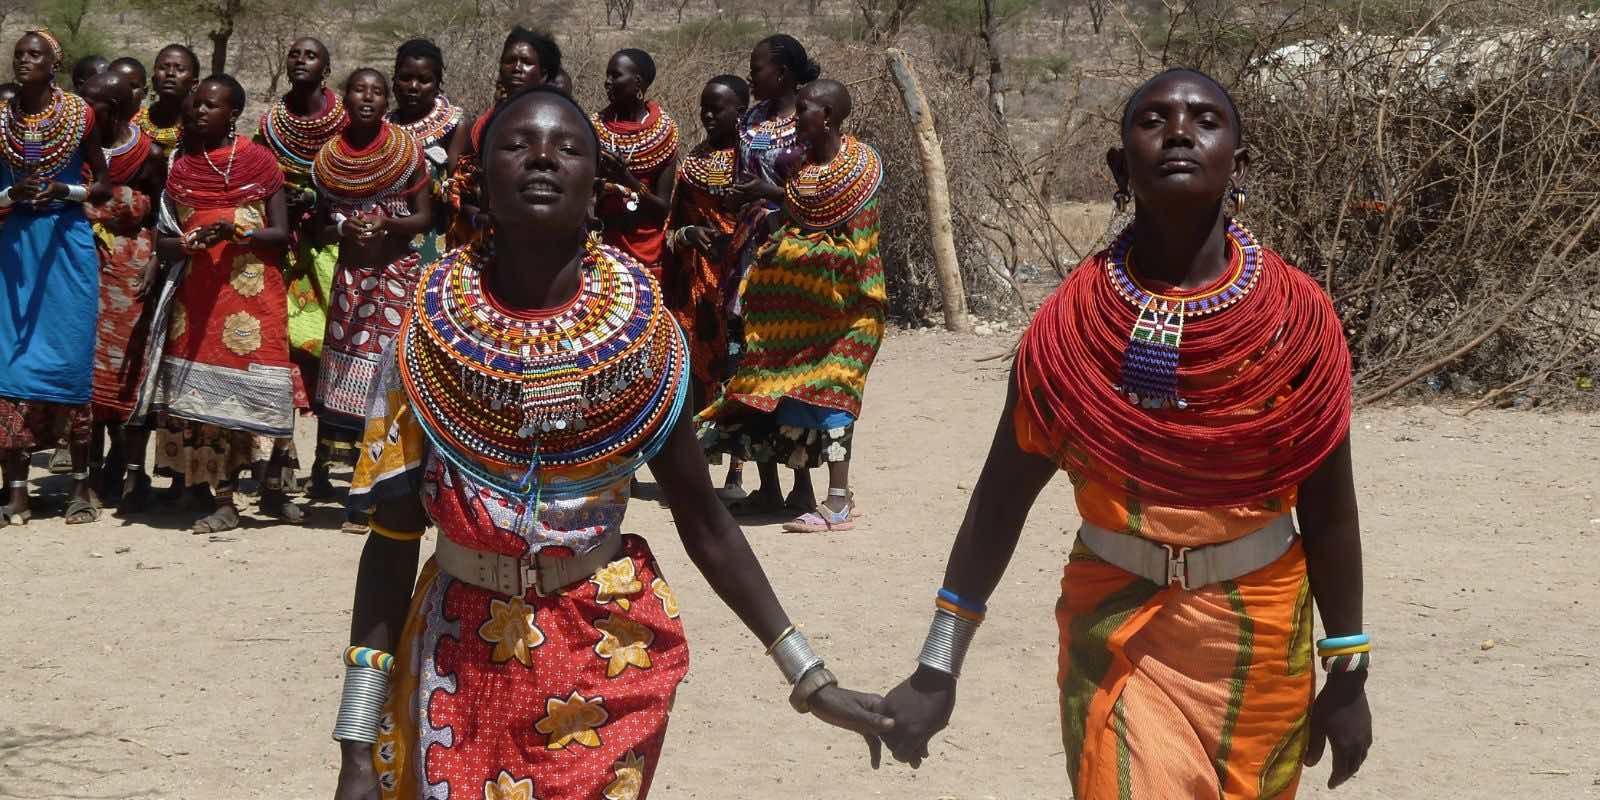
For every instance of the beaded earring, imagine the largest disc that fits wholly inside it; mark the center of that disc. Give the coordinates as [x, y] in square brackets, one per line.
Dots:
[1237, 195]
[1120, 198]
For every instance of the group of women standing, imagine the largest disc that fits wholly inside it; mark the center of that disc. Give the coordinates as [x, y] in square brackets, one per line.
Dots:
[338, 195]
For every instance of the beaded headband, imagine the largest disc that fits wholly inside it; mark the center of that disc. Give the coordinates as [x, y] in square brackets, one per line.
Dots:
[49, 39]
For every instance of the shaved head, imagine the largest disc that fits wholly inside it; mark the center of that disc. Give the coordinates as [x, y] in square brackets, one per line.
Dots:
[114, 90]
[831, 95]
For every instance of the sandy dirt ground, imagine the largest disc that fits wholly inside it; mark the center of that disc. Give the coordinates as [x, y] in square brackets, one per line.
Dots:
[140, 661]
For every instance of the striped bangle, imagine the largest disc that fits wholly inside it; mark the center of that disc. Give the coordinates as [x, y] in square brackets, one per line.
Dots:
[964, 613]
[1329, 652]
[974, 606]
[1355, 662]
[1336, 642]
[358, 656]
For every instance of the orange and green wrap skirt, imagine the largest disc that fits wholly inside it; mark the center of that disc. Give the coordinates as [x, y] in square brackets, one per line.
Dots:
[1174, 693]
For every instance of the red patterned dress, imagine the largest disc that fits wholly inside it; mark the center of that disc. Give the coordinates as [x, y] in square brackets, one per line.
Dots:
[647, 148]
[691, 279]
[557, 697]
[225, 374]
[126, 239]
[368, 300]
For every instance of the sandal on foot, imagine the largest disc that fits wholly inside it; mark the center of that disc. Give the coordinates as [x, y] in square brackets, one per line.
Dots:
[274, 503]
[823, 520]
[81, 511]
[354, 528]
[732, 493]
[225, 518]
[61, 461]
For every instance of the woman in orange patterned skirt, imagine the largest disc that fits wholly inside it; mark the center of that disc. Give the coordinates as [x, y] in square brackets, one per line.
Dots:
[704, 214]
[125, 235]
[225, 374]
[538, 652]
[1196, 389]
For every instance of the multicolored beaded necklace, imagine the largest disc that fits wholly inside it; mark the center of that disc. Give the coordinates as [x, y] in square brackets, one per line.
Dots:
[711, 170]
[382, 174]
[167, 137]
[1150, 361]
[767, 134]
[824, 195]
[297, 140]
[566, 401]
[643, 146]
[434, 126]
[43, 143]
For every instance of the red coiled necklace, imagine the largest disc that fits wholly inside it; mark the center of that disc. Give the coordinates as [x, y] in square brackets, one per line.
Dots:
[1264, 380]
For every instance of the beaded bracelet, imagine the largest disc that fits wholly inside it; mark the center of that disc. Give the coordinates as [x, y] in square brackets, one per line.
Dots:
[357, 656]
[1355, 662]
[1336, 642]
[970, 605]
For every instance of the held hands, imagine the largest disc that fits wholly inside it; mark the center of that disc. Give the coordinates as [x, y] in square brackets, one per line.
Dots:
[1340, 716]
[863, 713]
[920, 707]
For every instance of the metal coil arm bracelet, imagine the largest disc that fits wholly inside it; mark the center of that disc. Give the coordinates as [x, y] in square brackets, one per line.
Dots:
[801, 667]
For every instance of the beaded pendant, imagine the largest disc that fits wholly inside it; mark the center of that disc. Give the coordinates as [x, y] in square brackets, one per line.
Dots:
[1150, 361]
[711, 170]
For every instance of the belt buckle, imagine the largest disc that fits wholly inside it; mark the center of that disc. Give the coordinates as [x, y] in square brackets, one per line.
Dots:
[1178, 566]
[530, 576]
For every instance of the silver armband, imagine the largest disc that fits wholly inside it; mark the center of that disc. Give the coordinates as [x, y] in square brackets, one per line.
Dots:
[77, 193]
[948, 639]
[794, 655]
[361, 707]
[5, 198]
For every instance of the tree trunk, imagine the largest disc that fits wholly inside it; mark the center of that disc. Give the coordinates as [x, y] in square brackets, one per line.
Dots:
[991, 47]
[937, 197]
[227, 11]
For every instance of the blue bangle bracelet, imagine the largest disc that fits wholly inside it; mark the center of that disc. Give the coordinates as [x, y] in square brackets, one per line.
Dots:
[952, 597]
[1340, 641]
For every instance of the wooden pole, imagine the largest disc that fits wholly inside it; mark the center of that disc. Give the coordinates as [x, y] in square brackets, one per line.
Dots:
[937, 197]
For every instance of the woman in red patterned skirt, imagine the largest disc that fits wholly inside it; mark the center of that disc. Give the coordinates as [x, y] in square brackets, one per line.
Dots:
[125, 235]
[373, 187]
[542, 648]
[225, 375]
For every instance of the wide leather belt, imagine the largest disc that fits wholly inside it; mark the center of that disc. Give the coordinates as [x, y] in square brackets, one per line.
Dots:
[1191, 567]
[511, 575]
